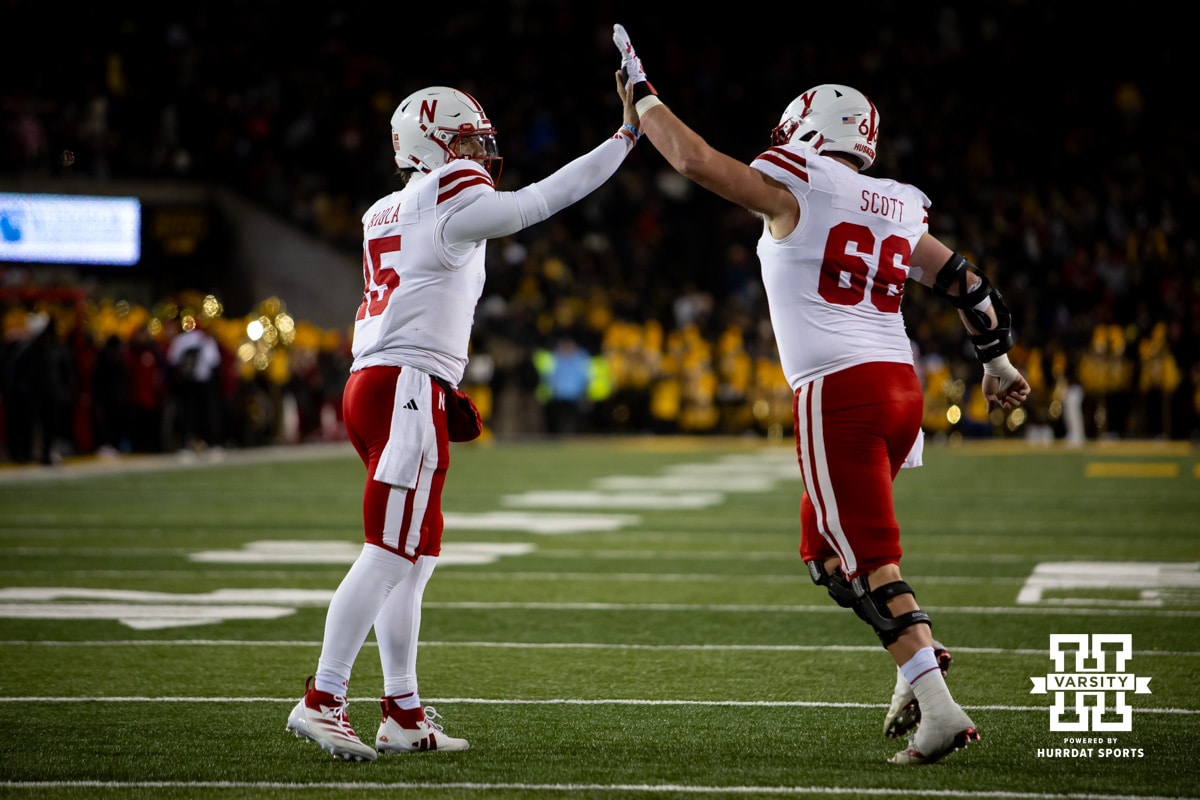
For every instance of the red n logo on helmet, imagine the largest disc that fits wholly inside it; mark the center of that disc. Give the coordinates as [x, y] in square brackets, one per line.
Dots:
[428, 109]
[807, 97]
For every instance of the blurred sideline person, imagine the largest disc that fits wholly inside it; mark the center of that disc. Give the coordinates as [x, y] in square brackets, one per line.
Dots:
[836, 250]
[423, 267]
[568, 380]
[38, 384]
[195, 360]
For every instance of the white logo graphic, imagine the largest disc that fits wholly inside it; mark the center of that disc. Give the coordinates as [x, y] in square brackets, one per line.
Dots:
[1090, 680]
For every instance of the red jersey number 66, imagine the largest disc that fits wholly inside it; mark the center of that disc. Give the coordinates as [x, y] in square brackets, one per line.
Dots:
[843, 280]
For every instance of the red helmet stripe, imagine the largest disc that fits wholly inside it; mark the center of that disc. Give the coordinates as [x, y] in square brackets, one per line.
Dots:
[873, 131]
[478, 107]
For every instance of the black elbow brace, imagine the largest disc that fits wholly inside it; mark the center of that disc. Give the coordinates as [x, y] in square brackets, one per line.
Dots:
[989, 342]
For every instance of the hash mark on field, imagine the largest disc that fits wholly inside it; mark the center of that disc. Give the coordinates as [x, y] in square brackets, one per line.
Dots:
[626, 500]
[275, 551]
[1103, 469]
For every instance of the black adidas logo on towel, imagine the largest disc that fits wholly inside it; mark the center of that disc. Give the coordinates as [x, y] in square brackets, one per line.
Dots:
[411, 405]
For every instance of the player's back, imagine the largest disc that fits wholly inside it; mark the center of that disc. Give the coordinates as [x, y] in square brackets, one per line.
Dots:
[835, 284]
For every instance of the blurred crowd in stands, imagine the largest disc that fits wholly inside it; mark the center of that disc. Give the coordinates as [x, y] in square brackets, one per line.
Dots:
[1062, 164]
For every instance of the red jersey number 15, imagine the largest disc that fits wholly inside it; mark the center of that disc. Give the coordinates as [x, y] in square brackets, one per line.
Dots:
[378, 280]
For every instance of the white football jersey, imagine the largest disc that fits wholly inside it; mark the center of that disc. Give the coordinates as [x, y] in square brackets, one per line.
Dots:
[835, 284]
[420, 295]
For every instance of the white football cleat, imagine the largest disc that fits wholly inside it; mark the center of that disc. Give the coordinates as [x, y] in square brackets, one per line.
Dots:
[428, 736]
[938, 737]
[321, 717]
[904, 714]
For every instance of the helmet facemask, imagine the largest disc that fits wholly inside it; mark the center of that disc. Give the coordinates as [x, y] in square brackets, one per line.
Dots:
[479, 146]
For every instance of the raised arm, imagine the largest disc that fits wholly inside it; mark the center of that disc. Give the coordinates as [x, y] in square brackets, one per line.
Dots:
[504, 213]
[691, 156]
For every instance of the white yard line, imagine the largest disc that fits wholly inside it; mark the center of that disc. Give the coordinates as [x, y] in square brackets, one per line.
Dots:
[556, 701]
[572, 788]
[749, 648]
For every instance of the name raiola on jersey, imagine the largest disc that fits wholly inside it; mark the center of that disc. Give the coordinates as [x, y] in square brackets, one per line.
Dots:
[385, 216]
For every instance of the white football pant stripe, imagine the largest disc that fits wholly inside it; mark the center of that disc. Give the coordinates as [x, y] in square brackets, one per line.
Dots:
[815, 471]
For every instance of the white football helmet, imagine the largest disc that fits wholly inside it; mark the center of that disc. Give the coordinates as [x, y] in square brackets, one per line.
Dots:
[433, 126]
[831, 118]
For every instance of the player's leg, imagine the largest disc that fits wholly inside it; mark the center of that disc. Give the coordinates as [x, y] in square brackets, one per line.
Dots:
[904, 710]
[414, 525]
[321, 715]
[921, 661]
[938, 723]
[851, 451]
[406, 727]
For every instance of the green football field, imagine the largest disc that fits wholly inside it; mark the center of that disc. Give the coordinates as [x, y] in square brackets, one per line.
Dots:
[611, 619]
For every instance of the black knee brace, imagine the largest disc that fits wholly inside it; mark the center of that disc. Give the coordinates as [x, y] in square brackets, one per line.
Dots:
[838, 587]
[879, 616]
[870, 605]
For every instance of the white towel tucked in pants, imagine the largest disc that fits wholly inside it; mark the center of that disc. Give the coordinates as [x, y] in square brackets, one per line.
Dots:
[412, 428]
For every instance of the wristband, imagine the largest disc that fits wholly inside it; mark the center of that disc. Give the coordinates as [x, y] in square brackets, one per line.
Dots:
[647, 103]
[642, 89]
[636, 133]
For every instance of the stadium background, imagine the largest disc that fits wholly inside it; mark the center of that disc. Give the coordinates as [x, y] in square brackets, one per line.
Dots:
[1058, 152]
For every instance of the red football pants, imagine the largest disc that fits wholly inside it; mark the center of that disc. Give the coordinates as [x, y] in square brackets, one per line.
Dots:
[854, 429]
[405, 521]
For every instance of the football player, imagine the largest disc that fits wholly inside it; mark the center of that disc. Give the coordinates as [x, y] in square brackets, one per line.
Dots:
[423, 273]
[837, 248]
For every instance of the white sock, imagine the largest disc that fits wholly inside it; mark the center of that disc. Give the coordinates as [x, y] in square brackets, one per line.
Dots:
[397, 630]
[407, 700]
[331, 683]
[921, 662]
[352, 611]
[928, 683]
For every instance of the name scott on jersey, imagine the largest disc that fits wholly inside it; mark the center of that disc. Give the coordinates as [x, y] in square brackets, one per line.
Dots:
[881, 205]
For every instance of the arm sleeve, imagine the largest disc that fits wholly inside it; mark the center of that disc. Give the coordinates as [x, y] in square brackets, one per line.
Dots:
[503, 213]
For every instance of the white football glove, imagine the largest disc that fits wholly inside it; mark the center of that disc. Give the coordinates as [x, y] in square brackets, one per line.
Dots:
[631, 65]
